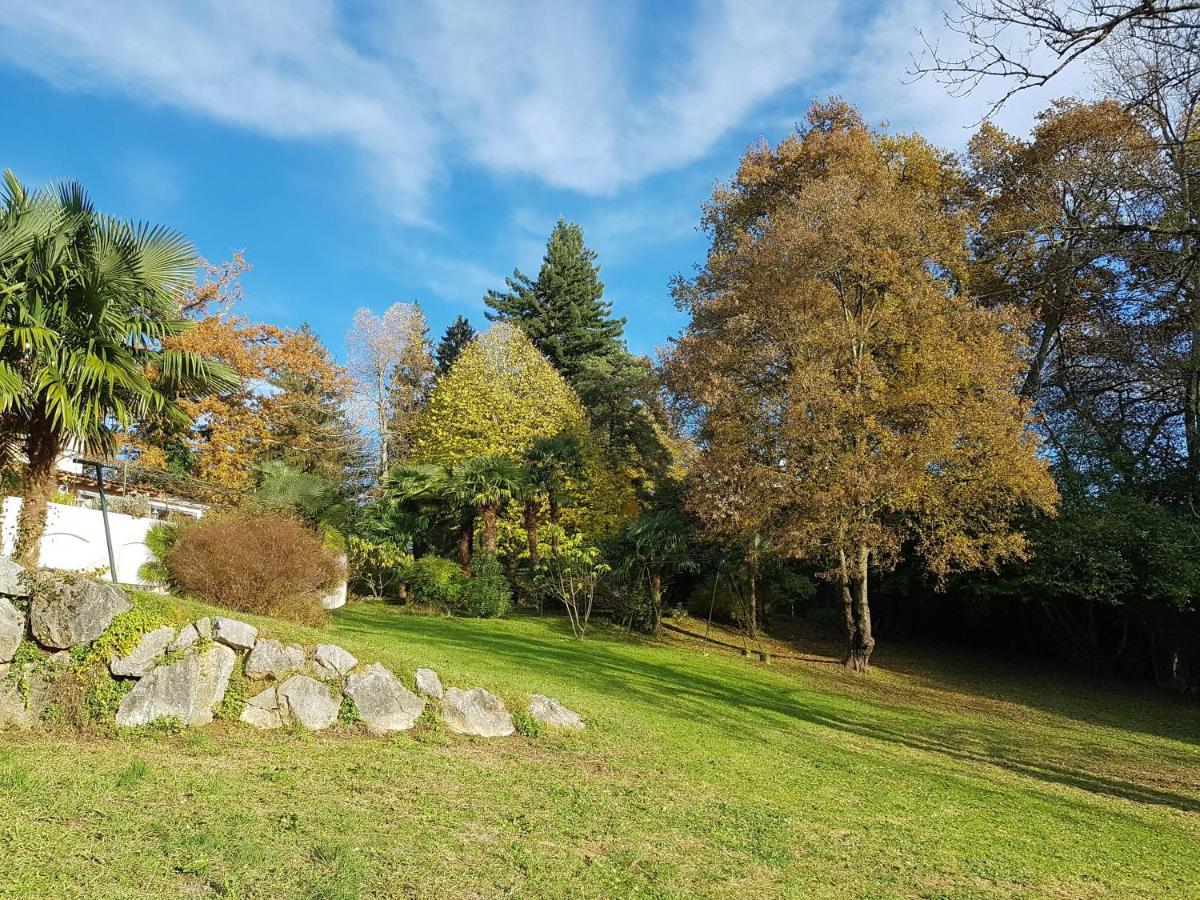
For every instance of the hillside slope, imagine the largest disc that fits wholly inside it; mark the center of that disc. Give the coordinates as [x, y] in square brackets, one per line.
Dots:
[702, 774]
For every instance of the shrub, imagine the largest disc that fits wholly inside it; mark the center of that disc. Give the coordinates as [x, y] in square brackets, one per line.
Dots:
[137, 505]
[256, 562]
[377, 568]
[160, 538]
[486, 594]
[436, 581]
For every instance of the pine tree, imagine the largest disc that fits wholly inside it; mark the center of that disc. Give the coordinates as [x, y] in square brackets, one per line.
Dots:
[563, 312]
[458, 334]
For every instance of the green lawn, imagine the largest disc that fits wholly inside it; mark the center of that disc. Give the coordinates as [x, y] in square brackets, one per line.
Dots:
[702, 774]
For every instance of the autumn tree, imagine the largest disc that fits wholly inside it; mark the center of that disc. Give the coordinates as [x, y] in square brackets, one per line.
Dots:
[458, 334]
[836, 363]
[391, 363]
[288, 404]
[306, 410]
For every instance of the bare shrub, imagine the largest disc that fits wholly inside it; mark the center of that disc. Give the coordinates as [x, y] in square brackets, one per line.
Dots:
[256, 562]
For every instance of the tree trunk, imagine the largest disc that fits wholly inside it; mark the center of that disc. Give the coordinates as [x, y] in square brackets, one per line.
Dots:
[42, 448]
[555, 515]
[466, 537]
[381, 412]
[860, 639]
[656, 601]
[489, 529]
[531, 531]
[752, 594]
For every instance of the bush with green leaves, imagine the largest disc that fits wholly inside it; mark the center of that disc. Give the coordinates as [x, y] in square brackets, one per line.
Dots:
[377, 569]
[435, 581]
[487, 593]
[160, 538]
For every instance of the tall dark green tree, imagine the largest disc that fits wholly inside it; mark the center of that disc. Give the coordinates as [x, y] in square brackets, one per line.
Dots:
[458, 334]
[564, 311]
[565, 315]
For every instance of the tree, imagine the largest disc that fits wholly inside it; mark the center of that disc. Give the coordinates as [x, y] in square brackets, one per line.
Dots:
[390, 361]
[87, 305]
[551, 463]
[656, 546]
[485, 484]
[564, 312]
[498, 397]
[458, 334]
[309, 429]
[833, 358]
[1026, 43]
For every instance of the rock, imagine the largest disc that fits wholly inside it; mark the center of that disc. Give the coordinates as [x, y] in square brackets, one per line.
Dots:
[262, 710]
[476, 712]
[13, 711]
[188, 690]
[429, 684]
[204, 628]
[235, 634]
[383, 703]
[331, 661]
[188, 637]
[549, 711]
[11, 582]
[273, 659]
[307, 702]
[73, 610]
[12, 630]
[143, 657]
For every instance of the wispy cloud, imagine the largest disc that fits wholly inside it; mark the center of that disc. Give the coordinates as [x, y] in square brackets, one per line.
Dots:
[588, 96]
[578, 96]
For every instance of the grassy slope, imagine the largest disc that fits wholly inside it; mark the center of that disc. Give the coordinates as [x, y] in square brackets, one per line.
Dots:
[702, 774]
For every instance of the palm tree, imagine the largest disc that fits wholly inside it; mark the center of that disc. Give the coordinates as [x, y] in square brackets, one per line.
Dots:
[88, 307]
[550, 462]
[485, 484]
[656, 545]
[417, 496]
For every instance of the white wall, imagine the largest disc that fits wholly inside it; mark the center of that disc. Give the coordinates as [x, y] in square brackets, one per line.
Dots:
[74, 539]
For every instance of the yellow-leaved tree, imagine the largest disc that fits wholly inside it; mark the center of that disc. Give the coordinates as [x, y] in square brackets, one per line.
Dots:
[499, 397]
[855, 403]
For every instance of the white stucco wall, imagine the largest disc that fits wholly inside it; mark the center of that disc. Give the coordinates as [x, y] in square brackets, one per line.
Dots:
[74, 539]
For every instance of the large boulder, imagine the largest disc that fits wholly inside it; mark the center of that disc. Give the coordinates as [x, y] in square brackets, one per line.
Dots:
[331, 661]
[187, 690]
[190, 635]
[12, 630]
[69, 610]
[476, 712]
[272, 659]
[235, 634]
[12, 580]
[142, 658]
[14, 712]
[429, 684]
[549, 711]
[308, 702]
[262, 710]
[383, 702]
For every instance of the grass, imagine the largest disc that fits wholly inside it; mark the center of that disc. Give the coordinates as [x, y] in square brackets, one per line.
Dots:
[702, 773]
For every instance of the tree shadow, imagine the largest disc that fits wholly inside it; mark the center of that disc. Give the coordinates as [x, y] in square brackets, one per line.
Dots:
[612, 664]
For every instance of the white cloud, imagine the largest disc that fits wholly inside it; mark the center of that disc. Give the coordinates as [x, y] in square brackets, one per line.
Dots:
[587, 96]
[549, 90]
[874, 78]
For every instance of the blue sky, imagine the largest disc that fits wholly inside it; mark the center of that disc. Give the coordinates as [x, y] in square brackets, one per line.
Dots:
[366, 152]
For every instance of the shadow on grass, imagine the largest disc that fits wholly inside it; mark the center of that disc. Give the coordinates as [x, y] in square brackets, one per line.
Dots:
[612, 665]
